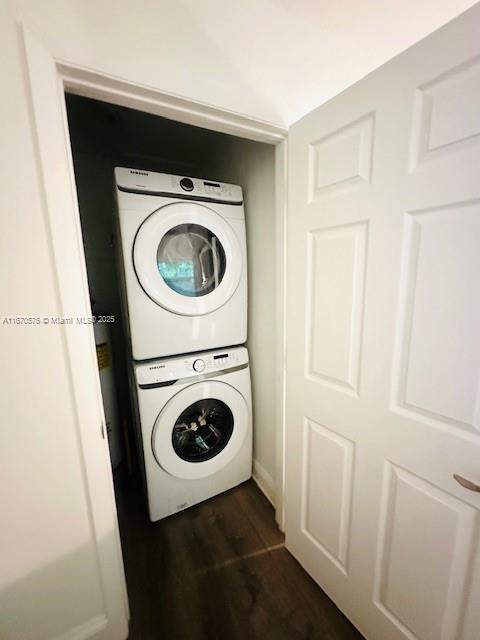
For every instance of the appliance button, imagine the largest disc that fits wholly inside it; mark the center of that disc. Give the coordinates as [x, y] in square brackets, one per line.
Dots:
[186, 184]
[199, 365]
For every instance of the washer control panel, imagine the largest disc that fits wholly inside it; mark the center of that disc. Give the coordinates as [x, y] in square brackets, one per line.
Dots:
[169, 370]
[199, 365]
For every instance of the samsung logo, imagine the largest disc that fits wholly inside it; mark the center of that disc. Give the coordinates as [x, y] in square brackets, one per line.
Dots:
[158, 366]
[139, 173]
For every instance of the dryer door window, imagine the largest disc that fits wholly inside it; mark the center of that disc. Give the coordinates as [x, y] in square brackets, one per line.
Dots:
[191, 260]
[188, 259]
[202, 430]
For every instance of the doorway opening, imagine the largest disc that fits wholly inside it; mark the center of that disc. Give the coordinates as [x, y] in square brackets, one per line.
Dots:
[104, 136]
[201, 572]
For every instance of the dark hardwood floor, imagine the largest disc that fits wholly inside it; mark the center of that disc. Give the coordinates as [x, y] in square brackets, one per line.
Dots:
[219, 571]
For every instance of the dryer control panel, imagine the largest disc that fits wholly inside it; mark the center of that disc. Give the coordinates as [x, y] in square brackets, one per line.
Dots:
[183, 187]
[170, 370]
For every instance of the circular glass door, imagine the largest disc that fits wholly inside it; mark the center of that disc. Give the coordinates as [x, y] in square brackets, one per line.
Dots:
[187, 258]
[202, 430]
[191, 260]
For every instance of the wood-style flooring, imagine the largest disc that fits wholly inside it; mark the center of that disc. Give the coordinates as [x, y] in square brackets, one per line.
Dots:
[219, 571]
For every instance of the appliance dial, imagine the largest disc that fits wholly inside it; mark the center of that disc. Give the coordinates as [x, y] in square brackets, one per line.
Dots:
[199, 365]
[186, 184]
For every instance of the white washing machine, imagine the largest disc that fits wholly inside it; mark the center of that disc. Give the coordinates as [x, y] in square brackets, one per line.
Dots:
[184, 262]
[194, 426]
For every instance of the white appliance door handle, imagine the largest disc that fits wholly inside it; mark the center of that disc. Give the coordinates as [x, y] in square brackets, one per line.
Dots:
[471, 486]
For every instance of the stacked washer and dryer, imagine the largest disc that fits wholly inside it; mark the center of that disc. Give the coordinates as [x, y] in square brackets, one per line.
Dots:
[183, 268]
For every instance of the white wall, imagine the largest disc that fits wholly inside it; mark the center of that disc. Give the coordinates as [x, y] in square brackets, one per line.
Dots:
[47, 559]
[271, 59]
[252, 165]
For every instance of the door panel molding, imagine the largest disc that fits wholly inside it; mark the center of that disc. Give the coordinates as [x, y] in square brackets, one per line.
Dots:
[434, 106]
[450, 590]
[342, 161]
[383, 346]
[332, 480]
[456, 408]
[327, 363]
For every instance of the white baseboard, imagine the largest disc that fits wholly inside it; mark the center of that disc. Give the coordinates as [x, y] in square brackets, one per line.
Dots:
[87, 629]
[264, 481]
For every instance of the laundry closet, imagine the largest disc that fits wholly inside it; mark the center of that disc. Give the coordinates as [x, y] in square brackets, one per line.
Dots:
[116, 147]
[363, 315]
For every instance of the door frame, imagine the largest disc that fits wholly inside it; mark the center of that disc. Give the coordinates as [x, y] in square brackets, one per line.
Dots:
[47, 80]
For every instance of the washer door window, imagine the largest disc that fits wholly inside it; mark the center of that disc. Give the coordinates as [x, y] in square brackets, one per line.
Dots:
[200, 430]
[187, 259]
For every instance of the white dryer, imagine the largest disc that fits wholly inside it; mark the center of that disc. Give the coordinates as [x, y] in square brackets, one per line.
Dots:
[194, 426]
[183, 262]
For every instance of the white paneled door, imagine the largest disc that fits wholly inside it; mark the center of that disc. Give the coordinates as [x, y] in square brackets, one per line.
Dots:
[383, 343]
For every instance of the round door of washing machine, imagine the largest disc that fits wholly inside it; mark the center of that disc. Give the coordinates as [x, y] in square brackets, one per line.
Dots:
[187, 258]
[200, 430]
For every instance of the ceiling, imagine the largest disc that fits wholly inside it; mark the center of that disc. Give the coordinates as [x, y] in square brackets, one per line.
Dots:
[273, 60]
[298, 54]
